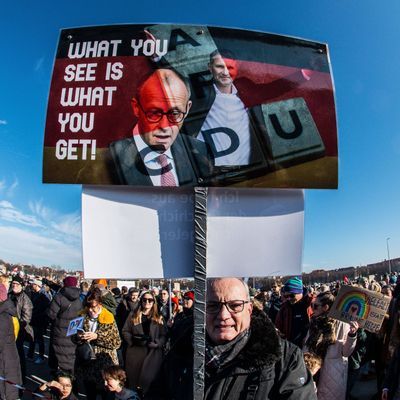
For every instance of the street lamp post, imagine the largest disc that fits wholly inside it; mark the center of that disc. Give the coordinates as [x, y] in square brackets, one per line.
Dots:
[387, 247]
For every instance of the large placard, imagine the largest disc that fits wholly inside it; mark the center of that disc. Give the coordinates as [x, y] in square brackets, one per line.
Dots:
[177, 105]
[148, 233]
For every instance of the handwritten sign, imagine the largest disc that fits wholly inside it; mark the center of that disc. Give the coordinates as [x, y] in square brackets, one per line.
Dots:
[366, 307]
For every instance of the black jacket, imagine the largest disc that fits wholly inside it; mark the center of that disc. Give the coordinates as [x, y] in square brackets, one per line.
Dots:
[268, 368]
[9, 360]
[24, 313]
[40, 304]
[267, 361]
[392, 376]
[64, 307]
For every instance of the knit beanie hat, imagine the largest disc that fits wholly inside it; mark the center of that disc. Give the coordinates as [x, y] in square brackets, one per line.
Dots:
[3, 293]
[293, 285]
[17, 278]
[70, 281]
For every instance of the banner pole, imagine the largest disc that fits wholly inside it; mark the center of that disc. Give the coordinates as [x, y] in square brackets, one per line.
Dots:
[200, 288]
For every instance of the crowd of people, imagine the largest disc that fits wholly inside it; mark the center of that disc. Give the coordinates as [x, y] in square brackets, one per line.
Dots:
[278, 342]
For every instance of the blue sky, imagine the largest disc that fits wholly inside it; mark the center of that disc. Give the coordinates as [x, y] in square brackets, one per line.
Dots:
[40, 223]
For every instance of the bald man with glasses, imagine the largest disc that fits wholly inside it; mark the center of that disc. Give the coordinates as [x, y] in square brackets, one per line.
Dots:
[245, 358]
[156, 154]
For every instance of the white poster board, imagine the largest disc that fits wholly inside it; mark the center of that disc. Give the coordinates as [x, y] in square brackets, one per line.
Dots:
[148, 233]
[254, 232]
[137, 233]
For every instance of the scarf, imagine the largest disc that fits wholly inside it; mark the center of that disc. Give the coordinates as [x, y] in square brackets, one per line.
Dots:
[217, 356]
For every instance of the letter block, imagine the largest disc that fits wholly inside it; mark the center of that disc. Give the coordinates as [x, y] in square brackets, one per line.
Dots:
[293, 135]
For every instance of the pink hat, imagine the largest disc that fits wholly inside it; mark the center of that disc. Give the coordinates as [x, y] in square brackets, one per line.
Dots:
[3, 293]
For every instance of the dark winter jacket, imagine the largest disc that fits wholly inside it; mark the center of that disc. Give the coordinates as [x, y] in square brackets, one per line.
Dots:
[293, 320]
[9, 360]
[268, 367]
[125, 307]
[40, 304]
[24, 307]
[64, 307]
[392, 377]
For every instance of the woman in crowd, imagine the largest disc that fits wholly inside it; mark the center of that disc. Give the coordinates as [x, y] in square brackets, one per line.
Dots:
[101, 332]
[58, 389]
[63, 308]
[333, 341]
[9, 360]
[114, 380]
[145, 334]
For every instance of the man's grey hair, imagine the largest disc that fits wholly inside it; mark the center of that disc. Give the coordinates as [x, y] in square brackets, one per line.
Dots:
[210, 283]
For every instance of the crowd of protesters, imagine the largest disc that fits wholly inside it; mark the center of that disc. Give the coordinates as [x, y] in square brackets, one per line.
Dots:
[137, 343]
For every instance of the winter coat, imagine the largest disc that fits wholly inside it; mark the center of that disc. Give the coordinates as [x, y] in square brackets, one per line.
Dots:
[24, 314]
[40, 304]
[124, 394]
[123, 310]
[268, 368]
[142, 364]
[293, 320]
[105, 347]
[392, 376]
[64, 307]
[332, 381]
[9, 360]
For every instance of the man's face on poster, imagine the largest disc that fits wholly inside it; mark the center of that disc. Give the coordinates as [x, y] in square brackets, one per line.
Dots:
[223, 70]
[161, 107]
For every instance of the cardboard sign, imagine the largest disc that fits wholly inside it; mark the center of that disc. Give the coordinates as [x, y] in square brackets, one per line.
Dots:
[123, 95]
[74, 325]
[366, 307]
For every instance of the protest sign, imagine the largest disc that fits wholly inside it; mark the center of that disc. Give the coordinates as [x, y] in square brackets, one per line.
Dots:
[137, 233]
[249, 232]
[366, 307]
[275, 128]
[74, 325]
[141, 233]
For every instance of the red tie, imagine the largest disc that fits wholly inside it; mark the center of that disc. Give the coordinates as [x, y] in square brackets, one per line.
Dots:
[167, 177]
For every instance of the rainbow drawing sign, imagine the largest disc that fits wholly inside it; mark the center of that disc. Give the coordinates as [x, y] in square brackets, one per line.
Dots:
[182, 105]
[366, 307]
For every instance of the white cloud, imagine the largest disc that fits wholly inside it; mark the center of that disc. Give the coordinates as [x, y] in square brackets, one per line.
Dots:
[69, 224]
[8, 190]
[19, 245]
[38, 234]
[3, 122]
[9, 213]
[39, 209]
[11, 189]
[39, 64]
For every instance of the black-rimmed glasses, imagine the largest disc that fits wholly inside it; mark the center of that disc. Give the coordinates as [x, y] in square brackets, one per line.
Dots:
[233, 306]
[144, 300]
[174, 115]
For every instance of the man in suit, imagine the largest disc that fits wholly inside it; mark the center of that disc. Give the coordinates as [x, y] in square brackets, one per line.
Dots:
[156, 154]
[227, 115]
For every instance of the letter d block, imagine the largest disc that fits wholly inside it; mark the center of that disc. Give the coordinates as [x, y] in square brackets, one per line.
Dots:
[293, 135]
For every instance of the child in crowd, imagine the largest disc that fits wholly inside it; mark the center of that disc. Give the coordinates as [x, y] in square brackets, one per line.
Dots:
[313, 364]
[114, 381]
